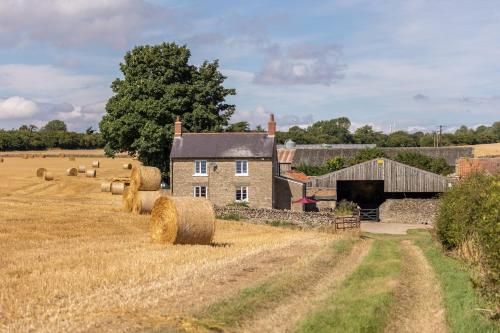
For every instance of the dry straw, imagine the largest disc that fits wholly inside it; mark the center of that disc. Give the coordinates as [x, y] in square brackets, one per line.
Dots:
[106, 187]
[91, 173]
[1, 159]
[61, 155]
[25, 156]
[40, 172]
[144, 201]
[95, 164]
[117, 188]
[72, 158]
[82, 169]
[71, 172]
[144, 178]
[182, 220]
[128, 199]
[48, 176]
[127, 166]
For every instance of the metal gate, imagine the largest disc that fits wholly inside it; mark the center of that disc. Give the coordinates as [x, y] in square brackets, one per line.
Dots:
[369, 215]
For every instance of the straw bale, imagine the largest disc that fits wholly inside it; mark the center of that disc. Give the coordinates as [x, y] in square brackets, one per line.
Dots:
[144, 178]
[117, 188]
[106, 187]
[72, 158]
[91, 173]
[182, 220]
[95, 164]
[61, 155]
[82, 169]
[48, 176]
[40, 172]
[127, 166]
[144, 201]
[1, 159]
[25, 156]
[71, 172]
[128, 199]
[43, 156]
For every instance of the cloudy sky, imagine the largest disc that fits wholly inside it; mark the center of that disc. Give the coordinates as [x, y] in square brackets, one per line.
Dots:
[392, 64]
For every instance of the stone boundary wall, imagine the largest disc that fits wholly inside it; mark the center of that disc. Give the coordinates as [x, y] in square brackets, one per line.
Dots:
[411, 211]
[261, 215]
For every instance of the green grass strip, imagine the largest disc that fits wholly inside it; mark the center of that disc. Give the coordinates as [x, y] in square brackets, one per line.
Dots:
[363, 302]
[461, 301]
[247, 302]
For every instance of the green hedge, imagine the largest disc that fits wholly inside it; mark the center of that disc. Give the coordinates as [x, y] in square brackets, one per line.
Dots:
[468, 223]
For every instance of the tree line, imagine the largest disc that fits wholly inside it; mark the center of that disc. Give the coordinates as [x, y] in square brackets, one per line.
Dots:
[336, 131]
[53, 135]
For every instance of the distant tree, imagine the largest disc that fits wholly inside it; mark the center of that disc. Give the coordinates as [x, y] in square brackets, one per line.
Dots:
[366, 134]
[158, 85]
[89, 130]
[259, 128]
[331, 131]
[436, 165]
[24, 128]
[55, 126]
[241, 126]
[400, 139]
[336, 163]
[366, 154]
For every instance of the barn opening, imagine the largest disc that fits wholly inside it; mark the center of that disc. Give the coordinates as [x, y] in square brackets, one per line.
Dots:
[368, 194]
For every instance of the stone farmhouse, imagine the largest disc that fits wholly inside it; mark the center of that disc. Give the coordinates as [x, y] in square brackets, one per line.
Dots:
[230, 168]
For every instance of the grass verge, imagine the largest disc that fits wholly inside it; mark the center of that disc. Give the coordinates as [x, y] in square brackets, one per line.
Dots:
[363, 303]
[462, 303]
[249, 301]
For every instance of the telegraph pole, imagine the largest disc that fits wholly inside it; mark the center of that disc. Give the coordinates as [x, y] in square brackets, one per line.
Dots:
[440, 135]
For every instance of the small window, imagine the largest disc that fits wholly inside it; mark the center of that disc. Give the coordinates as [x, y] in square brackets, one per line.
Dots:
[242, 168]
[200, 191]
[242, 193]
[200, 168]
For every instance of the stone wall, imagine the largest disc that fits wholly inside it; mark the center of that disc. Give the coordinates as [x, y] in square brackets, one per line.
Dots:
[301, 219]
[221, 181]
[413, 211]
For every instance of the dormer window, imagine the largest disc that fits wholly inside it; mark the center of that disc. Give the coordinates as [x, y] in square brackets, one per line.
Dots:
[200, 168]
[241, 168]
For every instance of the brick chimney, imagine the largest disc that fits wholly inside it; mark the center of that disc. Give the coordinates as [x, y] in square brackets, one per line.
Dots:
[271, 126]
[178, 127]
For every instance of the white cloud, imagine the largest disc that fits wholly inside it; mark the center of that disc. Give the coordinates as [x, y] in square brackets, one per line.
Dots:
[17, 108]
[77, 22]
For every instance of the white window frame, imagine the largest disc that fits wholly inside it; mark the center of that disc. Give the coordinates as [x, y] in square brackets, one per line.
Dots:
[198, 168]
[240, 188]
[198, 187]
[243, 162]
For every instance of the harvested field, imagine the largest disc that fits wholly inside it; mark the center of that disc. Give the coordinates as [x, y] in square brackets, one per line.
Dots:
[492, 149]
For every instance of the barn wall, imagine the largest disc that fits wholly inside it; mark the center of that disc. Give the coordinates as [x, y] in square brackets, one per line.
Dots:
[397, 177]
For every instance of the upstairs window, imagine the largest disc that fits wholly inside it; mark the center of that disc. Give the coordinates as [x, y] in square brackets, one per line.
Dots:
[241, 168]
[200, 168]
[242, 194]
[200, 191]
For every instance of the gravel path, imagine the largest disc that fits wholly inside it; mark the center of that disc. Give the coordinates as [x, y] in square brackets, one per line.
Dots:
[391, 228]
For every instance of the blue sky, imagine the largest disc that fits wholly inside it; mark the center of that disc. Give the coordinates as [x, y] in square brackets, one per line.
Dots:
[408, 65]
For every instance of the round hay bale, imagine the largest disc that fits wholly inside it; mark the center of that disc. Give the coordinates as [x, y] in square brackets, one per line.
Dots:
[106, 187]
[71, 172]
[40, 172]
[43, 156]
[144, 178]
[95, 164]
[25, 156]
[61, 155]
[127, 166]
[48, 176]
[91, 173]
[82, 169]
[182, 220]
[117, 188]
[72, 158]
[144, 201]
[128, 199]
[1, 159]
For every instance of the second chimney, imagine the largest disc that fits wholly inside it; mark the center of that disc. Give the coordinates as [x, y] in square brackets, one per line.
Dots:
[178, 127]
[271, 126]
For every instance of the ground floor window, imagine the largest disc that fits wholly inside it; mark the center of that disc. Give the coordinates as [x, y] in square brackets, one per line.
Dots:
[200, 191]
[242, 193]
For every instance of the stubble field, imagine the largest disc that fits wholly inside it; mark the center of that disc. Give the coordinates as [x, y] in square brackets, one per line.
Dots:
[72, 261]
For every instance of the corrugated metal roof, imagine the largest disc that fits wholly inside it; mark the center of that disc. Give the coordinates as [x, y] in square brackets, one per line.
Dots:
[285, 155]
[297, 175]
[223, 145]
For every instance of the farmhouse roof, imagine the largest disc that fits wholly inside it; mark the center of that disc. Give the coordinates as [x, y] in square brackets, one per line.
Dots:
[223, 145]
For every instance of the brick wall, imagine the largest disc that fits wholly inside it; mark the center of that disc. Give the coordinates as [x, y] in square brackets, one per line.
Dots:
[465, 166]
[221, 182]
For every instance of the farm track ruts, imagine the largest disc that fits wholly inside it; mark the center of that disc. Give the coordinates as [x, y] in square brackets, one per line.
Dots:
[289, 312]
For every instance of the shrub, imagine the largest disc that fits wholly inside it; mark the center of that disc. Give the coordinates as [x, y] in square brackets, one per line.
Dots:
[468, 223]
[436, 165]
[345, 207]
[279, 223]
[231, 217]
[366, 154]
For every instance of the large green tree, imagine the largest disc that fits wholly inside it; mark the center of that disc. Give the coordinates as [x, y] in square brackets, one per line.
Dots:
[159, 84]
